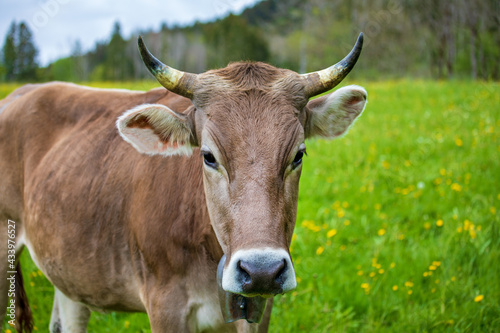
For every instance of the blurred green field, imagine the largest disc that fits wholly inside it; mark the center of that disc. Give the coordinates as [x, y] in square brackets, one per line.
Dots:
[398, 222]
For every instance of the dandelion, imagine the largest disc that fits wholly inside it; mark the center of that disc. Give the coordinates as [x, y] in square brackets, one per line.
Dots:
[347, 222]
[432, 268]
[493, 210]
[407, 163]
[426, 274]
[436, 263]
[453, 278]
[439, 223]
[442, 172]
[456, 187]
[298, 279]
[459, 142]
[394, 287]
[32, 283]
[8, 331]
[478, 298]
[392, 265]
[427, 225]
[126, 324]
[320, 250]
[401, 236]
[437, 281]
[386, 165]
[410, 292]
[340, 213]
[331, 233]
[360, 273]
[342, 247]
[381, 271]
[381, 232]
[372, 274]
[408, 284]
[345, 204]
[365, 285]
[378, 206]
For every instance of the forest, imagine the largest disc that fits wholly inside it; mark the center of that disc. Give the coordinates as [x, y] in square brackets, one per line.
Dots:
[403, 38]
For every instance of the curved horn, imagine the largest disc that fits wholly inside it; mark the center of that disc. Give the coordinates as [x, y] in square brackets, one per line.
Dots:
[324, 80]
[179, 82]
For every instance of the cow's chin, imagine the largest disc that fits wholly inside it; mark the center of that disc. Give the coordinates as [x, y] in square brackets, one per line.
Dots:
[235, 306]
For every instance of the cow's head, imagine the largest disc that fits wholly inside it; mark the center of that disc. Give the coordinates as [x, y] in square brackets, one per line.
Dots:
[250, 122]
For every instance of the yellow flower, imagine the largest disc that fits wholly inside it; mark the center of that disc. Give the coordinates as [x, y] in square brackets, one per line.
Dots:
[408, 284]
[378, 206]
[126, 324]
[459, 142]
[386, 165]
[340, 213]
[410, 292]
[365, 285]
[381, 232]
[425, 274]
[453, 278]
[8, 331]
[342, 247]
[372, 274]
[381, 271]
[345, 204]
[456, 187]
[347, 222]
[442, 172]
[320, 250]
[432, 268]
[392, 265]
[360, 273]
[331, 233]
[493, 210]
[439, 223]
[427, 225]
[32, 283]
[395, 287]
[478, 298]
[436, 263]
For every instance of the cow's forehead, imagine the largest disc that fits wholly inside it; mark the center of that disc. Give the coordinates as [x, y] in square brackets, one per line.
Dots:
[250, 83]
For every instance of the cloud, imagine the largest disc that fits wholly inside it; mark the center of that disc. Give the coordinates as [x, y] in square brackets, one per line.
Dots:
[57, 24]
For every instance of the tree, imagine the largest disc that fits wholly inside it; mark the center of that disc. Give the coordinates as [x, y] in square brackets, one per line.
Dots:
[26, 54]
[118, 66]
[9, 53]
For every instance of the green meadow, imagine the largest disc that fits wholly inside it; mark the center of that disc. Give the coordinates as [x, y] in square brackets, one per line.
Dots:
[398, 222]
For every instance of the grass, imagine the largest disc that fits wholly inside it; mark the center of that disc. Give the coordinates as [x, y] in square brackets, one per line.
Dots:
[398, 222]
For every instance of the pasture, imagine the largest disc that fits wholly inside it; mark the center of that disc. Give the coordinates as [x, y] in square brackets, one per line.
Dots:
[398, 222]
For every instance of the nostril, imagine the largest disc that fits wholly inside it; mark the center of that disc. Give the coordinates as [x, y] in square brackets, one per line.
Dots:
[245, 271]
[281, 272]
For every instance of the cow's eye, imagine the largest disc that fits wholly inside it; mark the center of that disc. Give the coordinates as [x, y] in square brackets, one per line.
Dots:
[209, 159]
[297, 161]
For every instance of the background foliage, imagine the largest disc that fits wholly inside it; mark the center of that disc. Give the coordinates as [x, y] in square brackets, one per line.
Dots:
[429, 38]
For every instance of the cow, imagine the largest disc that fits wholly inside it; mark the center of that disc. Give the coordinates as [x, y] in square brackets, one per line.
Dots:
[178, 202]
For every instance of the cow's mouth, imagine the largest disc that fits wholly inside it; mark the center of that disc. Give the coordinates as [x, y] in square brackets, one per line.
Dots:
[235, 306]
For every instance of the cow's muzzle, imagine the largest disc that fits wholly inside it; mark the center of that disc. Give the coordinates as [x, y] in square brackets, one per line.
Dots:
[249, 278]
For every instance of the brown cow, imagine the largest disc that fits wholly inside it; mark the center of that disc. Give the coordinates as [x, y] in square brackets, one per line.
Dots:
[116, 230]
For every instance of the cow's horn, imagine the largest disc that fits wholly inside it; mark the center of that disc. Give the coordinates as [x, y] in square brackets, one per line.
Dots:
[179, 82]
[324, 80]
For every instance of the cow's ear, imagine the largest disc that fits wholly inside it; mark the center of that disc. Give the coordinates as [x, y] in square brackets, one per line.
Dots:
[332, 115]
[157, 130]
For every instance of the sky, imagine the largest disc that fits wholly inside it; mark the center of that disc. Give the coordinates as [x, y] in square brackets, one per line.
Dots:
[58, 24]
